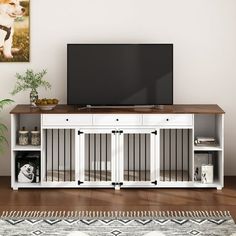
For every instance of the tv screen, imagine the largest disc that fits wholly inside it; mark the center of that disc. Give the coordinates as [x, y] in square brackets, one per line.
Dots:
[119, 74]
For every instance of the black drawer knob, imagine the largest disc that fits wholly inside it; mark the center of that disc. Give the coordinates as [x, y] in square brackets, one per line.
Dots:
[67, 119]
[167, 119]
[117, 119]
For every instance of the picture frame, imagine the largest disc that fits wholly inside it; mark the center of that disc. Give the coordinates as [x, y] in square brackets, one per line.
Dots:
[14, 30]
[28, 167]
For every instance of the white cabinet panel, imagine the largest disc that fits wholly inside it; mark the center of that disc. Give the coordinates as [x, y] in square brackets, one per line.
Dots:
[117, 119]
[168, 119]
[66, 119]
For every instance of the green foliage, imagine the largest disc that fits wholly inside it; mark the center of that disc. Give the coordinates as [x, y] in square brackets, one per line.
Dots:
[3, 127]
[3, 139]
[5, 102]
[30, 80]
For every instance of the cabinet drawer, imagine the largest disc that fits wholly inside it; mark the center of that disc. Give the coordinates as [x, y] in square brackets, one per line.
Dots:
[66, 119]
[117, 119]
[168, 119]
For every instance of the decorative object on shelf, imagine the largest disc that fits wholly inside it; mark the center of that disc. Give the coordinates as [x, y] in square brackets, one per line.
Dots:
[33, 97]
[23, 137]
[205, 141]
[3, 127]
[35, 137]
[32, 81]
[207, 174]
[28, 167]
[201, 158]
[47, 104]
[14, 31]
[46, 107]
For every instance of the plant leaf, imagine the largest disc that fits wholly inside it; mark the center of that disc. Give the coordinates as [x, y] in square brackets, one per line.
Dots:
[2, 141]
[30, 80]
[3, 128]
[5, 102]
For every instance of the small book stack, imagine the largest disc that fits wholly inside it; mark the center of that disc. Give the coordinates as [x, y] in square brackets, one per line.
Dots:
[205, 141]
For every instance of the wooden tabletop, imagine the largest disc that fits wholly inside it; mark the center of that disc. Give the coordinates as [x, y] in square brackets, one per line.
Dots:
[170, 109]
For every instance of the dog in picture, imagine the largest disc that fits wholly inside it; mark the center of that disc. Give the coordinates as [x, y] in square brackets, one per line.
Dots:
[204, 178]
[26, 174]
[9, 11]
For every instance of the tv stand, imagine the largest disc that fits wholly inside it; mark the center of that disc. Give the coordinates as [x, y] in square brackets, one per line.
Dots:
[120, 147]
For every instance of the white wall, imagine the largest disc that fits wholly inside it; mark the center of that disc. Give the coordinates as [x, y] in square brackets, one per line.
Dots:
[203, 33]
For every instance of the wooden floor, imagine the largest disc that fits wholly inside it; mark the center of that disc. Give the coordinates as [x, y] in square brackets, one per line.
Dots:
[124, 200]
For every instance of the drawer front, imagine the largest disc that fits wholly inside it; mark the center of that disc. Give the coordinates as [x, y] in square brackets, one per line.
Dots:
[66, 119]
[168, 119]
[117, 120]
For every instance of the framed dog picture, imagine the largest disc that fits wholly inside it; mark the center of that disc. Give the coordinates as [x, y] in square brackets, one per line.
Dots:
[14, 30]
[28, 167]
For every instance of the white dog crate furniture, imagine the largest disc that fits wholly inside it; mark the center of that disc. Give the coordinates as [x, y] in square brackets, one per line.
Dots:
[120, 147]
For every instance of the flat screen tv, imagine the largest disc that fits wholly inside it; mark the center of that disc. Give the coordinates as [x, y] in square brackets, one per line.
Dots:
[119, 74]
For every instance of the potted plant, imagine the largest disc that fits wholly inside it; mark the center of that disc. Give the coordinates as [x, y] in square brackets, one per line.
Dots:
[32, 81]
[3, 127]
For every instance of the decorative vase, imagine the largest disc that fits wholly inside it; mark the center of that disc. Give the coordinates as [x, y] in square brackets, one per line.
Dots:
[33, 97]
[23, 137]
[35, 137]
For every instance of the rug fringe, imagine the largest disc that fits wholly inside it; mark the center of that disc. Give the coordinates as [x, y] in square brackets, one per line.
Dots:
[114, 214]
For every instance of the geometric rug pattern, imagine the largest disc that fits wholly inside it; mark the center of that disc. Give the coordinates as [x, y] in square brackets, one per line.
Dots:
[119, 224]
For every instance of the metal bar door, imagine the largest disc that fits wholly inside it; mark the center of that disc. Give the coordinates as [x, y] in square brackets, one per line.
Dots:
[96, 158]
[138, 157]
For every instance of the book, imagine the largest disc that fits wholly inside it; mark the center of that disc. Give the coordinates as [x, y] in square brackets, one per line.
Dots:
[205, 141]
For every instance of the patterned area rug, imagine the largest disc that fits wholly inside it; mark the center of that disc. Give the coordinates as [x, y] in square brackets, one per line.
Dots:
[148, 223]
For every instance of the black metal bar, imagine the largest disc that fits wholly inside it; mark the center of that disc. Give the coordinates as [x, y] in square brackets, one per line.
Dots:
[164, 155]
[94, 157]
[169, 154]
[128, 157]
[58, 150]
[188, 155]
[145, 150]
[139, 146]
[64, 155]
[182, 155]
[70, 154]
[46, 146]
[134, 156]
[106, 157]
[52, 155]
[100, 157]
[89, 156]
[176, 154]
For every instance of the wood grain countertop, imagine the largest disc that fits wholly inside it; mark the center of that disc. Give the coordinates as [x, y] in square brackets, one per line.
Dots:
[164, 109]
